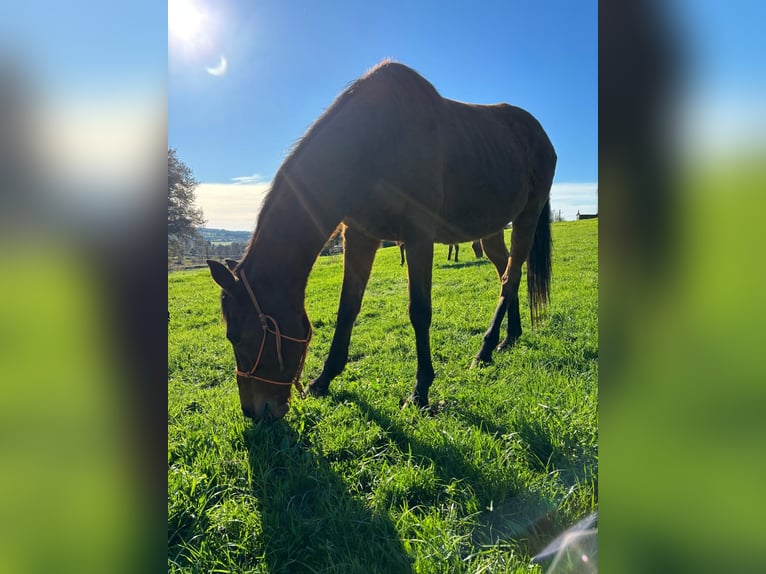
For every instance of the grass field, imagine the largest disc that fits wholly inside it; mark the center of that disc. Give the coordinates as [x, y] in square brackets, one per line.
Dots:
[352, 482]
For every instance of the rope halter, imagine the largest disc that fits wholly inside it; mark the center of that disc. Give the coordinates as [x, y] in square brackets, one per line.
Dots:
[270, 326]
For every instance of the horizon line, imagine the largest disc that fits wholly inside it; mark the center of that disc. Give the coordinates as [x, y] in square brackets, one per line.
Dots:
[230, 207]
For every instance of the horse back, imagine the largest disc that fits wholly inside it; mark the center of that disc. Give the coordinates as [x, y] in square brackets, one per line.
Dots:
[492, 156]
[394, 158]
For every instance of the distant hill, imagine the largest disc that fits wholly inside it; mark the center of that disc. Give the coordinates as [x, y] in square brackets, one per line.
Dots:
[223, 235]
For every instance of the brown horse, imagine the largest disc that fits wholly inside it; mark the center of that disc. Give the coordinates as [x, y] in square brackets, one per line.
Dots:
[476, 246]
[389, 159]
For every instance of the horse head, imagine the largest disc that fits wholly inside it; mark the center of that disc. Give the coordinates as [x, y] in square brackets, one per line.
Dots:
[268, 361]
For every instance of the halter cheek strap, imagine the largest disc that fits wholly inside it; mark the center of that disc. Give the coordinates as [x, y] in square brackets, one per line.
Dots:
[270, 326]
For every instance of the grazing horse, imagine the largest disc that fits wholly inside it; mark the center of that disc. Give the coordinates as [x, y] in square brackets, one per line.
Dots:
[476, 246]
[389, 159]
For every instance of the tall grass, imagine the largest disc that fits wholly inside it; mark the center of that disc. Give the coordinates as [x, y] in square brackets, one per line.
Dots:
[353, 482]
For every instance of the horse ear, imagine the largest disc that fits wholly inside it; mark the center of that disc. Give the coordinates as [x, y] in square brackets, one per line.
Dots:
[223, 276]
[231, 263]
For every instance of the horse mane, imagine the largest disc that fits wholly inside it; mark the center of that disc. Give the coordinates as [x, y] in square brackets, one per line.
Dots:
[332, 110]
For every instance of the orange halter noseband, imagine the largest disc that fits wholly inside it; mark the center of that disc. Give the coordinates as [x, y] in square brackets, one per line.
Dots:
[265, 320]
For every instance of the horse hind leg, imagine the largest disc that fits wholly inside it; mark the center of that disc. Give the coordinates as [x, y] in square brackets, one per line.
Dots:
[358, 255]
[522, 238]
[497, 253]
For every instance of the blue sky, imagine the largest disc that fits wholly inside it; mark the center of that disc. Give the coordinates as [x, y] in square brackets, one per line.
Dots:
[246, 79]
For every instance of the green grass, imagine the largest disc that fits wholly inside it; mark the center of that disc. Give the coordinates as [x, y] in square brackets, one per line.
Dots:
[353, 482]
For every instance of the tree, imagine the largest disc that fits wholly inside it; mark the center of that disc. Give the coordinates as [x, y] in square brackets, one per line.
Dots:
[182, 215]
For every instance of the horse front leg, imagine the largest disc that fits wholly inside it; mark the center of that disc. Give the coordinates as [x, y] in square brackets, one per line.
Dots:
[358, 255]
[420, 269]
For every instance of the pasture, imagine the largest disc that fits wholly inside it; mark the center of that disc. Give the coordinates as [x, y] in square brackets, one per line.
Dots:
[354, 483]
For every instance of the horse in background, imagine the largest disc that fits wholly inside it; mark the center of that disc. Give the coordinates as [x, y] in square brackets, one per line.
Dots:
[475, 245]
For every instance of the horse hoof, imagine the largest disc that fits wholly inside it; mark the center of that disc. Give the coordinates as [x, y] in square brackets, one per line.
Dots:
[317, 391]
[415, 401]
[478, 362]
[506, 344]
[426, 409]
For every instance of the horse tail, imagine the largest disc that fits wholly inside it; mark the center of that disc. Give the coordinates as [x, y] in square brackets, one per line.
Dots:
[539, 265]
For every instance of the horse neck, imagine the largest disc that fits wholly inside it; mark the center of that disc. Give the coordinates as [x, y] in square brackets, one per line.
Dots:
[290, 234]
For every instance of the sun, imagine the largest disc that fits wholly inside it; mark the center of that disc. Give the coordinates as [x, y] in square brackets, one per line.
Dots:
[184, 19]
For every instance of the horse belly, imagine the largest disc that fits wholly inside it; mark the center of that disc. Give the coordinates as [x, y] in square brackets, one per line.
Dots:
[478, 202]
[391, 213]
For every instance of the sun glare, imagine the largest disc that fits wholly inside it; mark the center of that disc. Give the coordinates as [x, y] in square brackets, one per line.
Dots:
[184, 19]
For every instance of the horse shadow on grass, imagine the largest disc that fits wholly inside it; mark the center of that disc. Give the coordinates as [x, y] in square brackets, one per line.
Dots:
[570, 460]
[310, 521]
[513, 513]
[474, 263]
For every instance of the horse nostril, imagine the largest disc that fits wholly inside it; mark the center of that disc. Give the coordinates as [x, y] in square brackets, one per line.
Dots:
[267, 414]
[247, 412]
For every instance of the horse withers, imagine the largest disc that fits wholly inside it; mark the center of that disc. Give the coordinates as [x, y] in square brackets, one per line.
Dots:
[390, 159]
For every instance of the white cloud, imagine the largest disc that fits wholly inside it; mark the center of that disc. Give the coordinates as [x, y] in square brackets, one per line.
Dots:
[250, 179]
[232, 206]
[573, 197]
